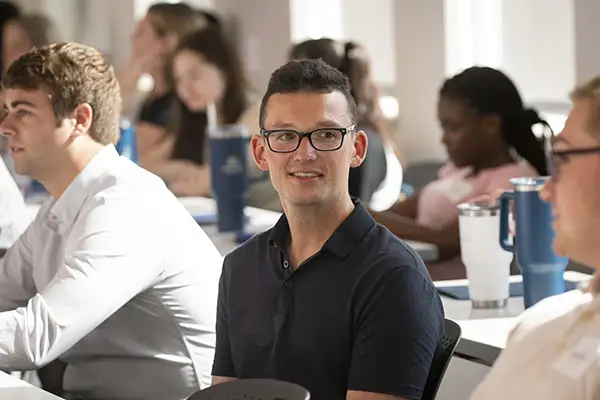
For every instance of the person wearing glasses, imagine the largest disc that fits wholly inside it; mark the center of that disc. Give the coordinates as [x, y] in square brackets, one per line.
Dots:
[554, 351]
[328, 298]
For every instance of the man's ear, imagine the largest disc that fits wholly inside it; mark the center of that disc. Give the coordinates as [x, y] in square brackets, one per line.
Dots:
[83, 116]
[259, 149]
[359, 149]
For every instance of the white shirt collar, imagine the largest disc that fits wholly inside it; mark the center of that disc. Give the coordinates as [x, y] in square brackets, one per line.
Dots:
[65, 209]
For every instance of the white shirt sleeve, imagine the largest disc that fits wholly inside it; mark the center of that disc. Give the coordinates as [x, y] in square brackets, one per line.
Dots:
[16, 276]
[15, 216]
[110, 257]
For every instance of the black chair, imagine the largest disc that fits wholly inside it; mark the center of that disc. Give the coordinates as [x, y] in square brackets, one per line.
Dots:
[441, 359]
[419, 174]
[253, 389]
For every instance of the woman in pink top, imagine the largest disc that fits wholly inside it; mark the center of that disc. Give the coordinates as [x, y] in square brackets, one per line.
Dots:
[487, 133]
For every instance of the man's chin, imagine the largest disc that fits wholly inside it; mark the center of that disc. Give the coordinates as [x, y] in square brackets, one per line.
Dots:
[22, 170]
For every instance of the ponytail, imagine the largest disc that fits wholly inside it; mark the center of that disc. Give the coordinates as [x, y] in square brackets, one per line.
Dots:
[519, 135]
[490, 91]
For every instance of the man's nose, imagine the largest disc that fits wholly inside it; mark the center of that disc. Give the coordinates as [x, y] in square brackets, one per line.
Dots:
[547, 191]
[6, 126]
[305, 150]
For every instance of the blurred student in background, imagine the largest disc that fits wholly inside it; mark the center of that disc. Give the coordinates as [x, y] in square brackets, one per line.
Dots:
[8, 11]
[488, 135]
[352, 59]
[153, 42]
[206, 70]
[19, 35]
[22, 33]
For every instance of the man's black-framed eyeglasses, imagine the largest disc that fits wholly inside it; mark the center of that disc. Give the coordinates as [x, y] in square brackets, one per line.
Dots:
[556, 157]
[321, 139]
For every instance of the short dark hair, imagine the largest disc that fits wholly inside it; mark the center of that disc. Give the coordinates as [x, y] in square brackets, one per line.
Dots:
[307, 76]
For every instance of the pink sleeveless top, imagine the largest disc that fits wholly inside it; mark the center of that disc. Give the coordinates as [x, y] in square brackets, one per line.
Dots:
[439, 199]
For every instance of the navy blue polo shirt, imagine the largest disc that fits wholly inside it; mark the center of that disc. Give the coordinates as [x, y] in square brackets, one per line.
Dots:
[361, 314]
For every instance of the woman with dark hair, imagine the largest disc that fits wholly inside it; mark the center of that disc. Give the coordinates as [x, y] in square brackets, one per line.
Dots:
[8, 11]
[207, 70]
[153, 42]
[24, 32]
[488, 135]
[352, 59]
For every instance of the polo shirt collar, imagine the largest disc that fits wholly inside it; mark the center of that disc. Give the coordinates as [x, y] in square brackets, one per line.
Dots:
[343, 240]
[64, 211]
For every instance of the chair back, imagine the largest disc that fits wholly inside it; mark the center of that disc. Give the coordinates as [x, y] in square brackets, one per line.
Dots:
[388, 192]
[255, 389]
[441, 359]
[419, 174]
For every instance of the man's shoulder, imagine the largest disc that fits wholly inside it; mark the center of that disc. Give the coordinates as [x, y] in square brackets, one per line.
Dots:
[125, 173]
[393, 250]
[395, 262]
[252, 249]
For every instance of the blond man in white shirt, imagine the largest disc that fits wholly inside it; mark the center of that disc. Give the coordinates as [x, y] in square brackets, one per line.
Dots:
[554, 352]
[113, 277]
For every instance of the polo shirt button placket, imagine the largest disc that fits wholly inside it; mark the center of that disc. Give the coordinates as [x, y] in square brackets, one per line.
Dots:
[288, 285]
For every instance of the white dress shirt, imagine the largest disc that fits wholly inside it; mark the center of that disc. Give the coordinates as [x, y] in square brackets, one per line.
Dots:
[14, 214]
[116, 279]
[552, 354]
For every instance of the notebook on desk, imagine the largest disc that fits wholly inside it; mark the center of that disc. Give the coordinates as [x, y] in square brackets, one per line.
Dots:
[461, 292]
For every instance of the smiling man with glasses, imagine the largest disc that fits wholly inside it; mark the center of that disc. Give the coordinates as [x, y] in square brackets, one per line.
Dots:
[554, 352]
[328, 298]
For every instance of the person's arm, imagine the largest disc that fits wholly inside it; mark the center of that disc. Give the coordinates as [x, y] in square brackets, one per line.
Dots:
[153, 143]
[106, 263]
[447, 239]
[153, 157]
[16, 272]
[407, 208]
[193, 180]
[129, 76]
[223, 368]
[398, 326]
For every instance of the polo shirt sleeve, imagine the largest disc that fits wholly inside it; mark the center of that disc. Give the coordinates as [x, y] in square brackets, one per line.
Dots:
[223, 362]
[398, 326]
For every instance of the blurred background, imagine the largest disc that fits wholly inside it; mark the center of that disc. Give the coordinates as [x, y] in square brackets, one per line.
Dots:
[545, 47]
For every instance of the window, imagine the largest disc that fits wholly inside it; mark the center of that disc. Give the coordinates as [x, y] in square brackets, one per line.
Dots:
[314, 19]
[473, 34]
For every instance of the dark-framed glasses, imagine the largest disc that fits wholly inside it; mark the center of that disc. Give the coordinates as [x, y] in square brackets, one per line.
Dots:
[556, 157]
[321, 139]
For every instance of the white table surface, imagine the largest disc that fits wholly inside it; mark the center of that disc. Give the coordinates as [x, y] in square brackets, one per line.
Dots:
[490, 326]
[261, 220]
[12, 388]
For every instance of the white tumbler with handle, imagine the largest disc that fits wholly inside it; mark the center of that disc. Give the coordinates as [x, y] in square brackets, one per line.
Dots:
[487, 264]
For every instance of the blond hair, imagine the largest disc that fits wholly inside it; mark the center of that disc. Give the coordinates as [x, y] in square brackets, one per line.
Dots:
[74, 74]
[590, 91]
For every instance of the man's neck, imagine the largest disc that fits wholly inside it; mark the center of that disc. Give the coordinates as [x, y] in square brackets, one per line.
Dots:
[59, 179]
[311, 227]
